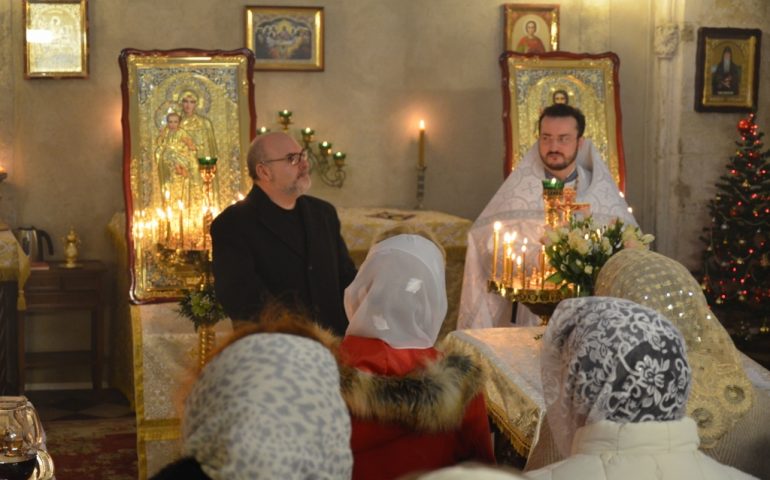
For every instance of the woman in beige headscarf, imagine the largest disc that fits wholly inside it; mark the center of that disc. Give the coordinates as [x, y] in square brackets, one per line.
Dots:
[729, 410]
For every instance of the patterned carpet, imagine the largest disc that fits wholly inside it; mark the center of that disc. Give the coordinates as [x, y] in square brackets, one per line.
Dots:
[90, 435]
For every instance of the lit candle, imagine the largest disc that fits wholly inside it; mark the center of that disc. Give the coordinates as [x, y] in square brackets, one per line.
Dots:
[262, 130]
[520, 270]
[542, 266]
[523, 258]
[339, 159]
[168, 225]
[284, 113]
[506, 249]
[325, 148]
[508, 265]
[181, 224]
[421, 161]
[307, 134]
[495, 241]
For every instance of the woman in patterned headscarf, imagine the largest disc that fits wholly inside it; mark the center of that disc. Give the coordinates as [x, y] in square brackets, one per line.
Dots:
[615, 384]
[268, 406]
[731, 413]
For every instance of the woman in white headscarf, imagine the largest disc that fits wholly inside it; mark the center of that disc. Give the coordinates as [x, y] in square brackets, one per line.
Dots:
[615, 383]
[268, 406]
[731, 412]
[413, 407]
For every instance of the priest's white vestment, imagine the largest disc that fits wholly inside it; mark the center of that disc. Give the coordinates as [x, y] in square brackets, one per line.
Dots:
[519, 206]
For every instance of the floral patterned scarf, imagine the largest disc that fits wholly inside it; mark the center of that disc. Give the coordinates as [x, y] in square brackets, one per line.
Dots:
[610, 359]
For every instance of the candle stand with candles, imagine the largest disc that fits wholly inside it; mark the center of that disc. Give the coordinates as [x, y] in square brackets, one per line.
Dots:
[177, 240]
[517, 281]
[329, 165]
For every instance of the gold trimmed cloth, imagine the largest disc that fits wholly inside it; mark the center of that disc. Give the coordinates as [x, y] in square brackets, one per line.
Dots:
[513, 393]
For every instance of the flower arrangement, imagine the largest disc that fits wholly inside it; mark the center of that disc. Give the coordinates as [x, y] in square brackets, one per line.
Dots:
[201, 306]
[579, 250]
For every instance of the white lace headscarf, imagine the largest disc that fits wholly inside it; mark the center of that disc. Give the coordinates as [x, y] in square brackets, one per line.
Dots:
[269, 406]
[399, 293]
[605, 358]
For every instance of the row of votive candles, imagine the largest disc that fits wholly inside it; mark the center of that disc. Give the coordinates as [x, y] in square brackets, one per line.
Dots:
[514, 272]
[174, 228]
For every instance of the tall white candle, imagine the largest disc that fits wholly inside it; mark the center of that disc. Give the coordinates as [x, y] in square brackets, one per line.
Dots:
[495, 242]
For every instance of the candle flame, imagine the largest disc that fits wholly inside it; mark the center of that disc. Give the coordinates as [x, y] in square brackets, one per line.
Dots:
[630, 210]
[498, 226]
[513, 238]
[422, 124]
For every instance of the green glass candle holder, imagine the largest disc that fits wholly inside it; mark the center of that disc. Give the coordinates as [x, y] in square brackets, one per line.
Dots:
[553, 184]
[207, 161]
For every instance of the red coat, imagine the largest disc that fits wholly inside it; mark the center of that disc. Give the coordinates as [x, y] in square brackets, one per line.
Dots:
[385, 450]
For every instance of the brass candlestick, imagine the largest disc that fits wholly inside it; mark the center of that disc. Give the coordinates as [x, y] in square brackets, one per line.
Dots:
[322, 161]
[284, 118]
[541, 302]
[553, 192]
[207, 338]
[420, 186]
[207, 166]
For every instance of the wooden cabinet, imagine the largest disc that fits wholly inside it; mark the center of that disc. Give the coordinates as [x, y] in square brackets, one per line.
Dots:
[60, 289]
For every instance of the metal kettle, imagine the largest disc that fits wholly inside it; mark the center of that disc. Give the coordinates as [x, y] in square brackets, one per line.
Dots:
[31, 240]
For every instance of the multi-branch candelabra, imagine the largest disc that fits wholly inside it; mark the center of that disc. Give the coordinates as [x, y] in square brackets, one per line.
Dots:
[518, 280]
[329, 165]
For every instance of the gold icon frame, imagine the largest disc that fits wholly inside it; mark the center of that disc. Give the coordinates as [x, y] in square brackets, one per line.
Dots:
[55, 39]
[153, 84]
[591, 82]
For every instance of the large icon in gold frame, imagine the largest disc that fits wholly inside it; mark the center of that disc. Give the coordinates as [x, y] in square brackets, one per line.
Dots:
[188, 119]
[588, 82]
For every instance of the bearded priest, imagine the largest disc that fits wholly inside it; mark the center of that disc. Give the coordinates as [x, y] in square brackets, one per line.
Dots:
[561, 153]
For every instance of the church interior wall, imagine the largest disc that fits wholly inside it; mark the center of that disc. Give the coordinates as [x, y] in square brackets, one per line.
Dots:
[388, 64]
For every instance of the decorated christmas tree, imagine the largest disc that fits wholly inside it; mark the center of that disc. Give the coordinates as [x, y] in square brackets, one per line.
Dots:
[737, 255]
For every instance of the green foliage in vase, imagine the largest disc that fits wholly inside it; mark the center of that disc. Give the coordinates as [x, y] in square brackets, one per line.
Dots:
[201, 306]
[579, 250]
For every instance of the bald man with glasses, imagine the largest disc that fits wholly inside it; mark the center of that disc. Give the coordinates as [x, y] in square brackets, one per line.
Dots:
[279, 243]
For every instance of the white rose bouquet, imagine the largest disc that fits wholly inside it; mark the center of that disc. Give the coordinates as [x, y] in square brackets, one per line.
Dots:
[579, 250]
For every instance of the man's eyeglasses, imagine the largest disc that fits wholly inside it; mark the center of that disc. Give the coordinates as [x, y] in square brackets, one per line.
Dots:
[560, 140]
[292, 158]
